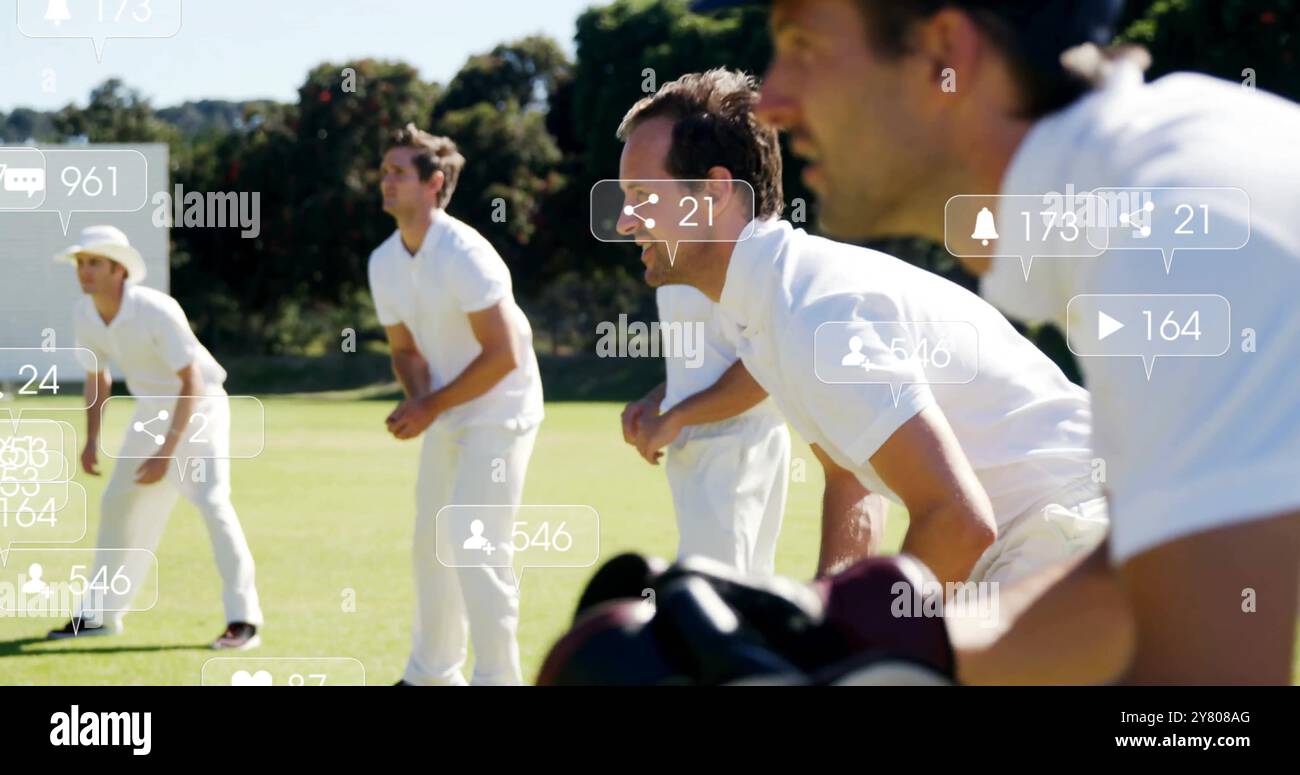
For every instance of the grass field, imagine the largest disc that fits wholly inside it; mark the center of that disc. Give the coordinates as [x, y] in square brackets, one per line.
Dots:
[328, 507]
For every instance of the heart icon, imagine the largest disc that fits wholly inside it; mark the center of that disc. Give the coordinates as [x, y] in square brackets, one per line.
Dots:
[242, 678]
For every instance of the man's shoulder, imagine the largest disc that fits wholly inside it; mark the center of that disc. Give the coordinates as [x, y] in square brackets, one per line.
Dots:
[463, 239]
[386, 251]
[153, 303]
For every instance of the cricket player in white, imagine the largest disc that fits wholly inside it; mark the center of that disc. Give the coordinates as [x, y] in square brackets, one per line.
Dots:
[728, 457]
[1202, 457]
[145, 335]
[462, 350]
[995, 473]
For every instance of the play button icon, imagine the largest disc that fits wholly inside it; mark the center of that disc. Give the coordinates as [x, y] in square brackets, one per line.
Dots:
[1106, 325]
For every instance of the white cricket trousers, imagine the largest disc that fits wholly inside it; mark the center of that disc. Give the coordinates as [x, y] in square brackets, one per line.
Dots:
[470, 466]
[132, 516]
[729, 481]
[1071, 523]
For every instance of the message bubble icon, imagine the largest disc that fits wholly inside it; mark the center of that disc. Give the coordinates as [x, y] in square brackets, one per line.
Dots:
[99, 20]
[36, 451]
[517, 537]
[896, 353]
[42, 513]
[59, 583]
[669, 212]
[282, 671]
[1148, 326]
[216, 428]
[95, 180]
[22, 179]
[1169, 219]
[1024, 226]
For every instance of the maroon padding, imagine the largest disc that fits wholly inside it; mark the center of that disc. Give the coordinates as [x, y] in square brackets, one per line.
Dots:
[861, 609]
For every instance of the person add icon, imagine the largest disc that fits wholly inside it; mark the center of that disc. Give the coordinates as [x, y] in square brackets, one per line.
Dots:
[34, 584]
[476, 540]
[855, 356]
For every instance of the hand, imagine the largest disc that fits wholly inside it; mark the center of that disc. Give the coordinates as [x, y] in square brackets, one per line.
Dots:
[656, 433]
[90, 457]
[152, 470]
[632, 414]
[412, 417]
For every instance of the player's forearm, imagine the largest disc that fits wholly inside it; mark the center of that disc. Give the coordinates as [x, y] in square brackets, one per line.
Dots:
[1068, 624]
[949, 538]
[481, 375]
[412, 372]
[853, 521]
[734, 393]
[98, 387]
[656, 396]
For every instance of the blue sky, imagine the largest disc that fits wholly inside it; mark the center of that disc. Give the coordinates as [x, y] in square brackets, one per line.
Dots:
[241, 49]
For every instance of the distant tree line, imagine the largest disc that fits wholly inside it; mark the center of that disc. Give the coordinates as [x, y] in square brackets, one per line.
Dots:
[536, 129]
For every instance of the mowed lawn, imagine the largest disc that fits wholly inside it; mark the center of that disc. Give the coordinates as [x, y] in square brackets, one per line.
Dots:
[328, 508]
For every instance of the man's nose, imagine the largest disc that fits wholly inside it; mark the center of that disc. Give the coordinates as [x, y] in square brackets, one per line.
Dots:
[628, 224]
[777, 106]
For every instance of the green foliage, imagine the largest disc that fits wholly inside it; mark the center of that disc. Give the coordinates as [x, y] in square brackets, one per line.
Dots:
[537, 130]
[1224, 38]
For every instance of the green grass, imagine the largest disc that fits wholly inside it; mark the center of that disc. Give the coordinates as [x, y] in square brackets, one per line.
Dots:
[329, 506]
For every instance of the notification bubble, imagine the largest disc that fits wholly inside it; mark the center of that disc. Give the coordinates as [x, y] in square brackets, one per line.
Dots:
[1170, 219]
[99, 20]
[39, 373]
[36, 451]
[22, 179]
[671, 212]
[517, 537]
[95, 180]
[896, 353]
[217, 428]
[282, 671]
[1148, 326]
[41, 513]
[56, 583]
[1024, 226]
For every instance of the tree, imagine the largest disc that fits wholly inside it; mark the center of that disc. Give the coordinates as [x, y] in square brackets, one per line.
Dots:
[524, 72]
[115, 114]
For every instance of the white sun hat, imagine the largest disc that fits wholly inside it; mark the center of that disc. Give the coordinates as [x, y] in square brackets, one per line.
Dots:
[111, 243]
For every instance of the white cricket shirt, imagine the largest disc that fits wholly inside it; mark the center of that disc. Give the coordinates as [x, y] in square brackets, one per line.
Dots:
[1023, 426]
[1207, 441]
[455, 272]
[695, 346]
[148, 342]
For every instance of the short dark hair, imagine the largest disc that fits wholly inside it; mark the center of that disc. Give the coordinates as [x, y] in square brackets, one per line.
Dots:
[433, 154]
[714, 126]
[1046, 84]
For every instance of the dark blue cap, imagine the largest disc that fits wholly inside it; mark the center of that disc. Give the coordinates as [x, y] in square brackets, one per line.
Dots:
[1044, 28]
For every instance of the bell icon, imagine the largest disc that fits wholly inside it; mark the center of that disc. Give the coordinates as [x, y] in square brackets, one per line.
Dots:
[57, 12]
[985, 229]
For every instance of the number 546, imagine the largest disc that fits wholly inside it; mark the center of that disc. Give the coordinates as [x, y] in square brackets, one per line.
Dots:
[542, 538]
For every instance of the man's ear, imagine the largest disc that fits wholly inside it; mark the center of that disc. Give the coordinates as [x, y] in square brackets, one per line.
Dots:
[436, 181]
[723, 188]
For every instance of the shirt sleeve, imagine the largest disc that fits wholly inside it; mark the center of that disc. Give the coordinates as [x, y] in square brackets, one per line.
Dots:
[90, 353]
[384, 309]
[479, 278]
[855, 409]
[173, 337]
